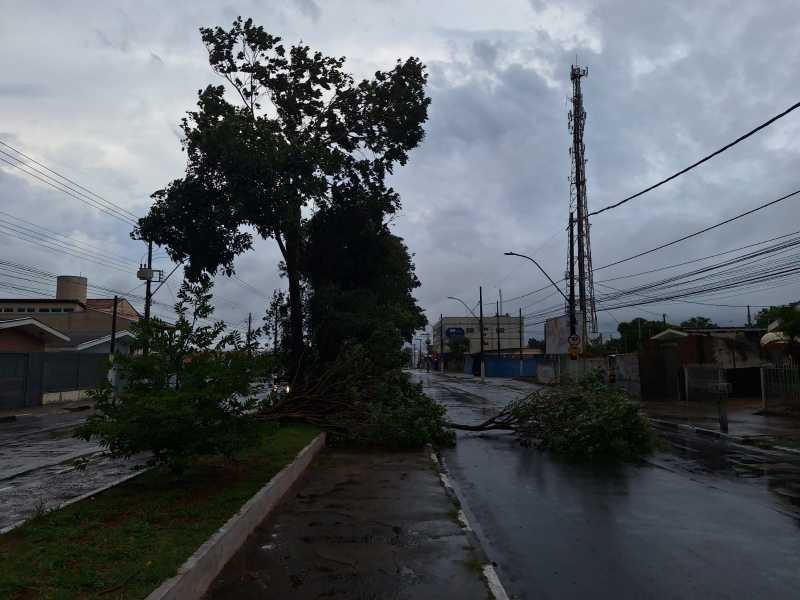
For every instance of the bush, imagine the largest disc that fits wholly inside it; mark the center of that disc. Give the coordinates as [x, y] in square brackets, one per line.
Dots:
[399, 415]
[586, 421]
[186, 397]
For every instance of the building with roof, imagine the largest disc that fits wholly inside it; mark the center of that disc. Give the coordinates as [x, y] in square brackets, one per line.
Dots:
[84, 323]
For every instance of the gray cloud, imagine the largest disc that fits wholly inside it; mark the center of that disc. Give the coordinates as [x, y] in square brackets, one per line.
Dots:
[667, 83]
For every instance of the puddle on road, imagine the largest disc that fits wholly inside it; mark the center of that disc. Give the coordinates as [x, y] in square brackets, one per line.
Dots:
[778, 473]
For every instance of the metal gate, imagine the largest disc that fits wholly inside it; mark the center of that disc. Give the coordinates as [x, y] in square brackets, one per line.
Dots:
[781, 388]
[13, 380]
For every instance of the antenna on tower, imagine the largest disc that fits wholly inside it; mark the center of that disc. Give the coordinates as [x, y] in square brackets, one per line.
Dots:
[577, 203]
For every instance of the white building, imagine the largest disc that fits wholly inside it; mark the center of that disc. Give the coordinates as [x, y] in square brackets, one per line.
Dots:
[505, 327]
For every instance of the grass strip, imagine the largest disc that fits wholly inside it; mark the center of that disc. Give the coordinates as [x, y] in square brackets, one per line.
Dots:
[122, 543]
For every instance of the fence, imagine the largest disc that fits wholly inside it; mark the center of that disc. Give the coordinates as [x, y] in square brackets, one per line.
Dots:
[506, 365]
[704, 383]
[781, 388]
[30, 379]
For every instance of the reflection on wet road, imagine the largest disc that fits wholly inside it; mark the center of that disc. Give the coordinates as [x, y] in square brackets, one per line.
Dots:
[699, 520]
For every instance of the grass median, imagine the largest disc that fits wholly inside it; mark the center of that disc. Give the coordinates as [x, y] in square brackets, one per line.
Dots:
[124, 542]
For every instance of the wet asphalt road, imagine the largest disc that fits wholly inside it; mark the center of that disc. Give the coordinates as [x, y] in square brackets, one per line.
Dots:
[699, 521]
[39, 461]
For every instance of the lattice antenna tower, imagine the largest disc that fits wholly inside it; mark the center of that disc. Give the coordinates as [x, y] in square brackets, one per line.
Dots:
[578, 204]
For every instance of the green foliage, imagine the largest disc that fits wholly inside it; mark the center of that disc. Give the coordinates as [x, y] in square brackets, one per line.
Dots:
[124, 542]
[459, 346]
[788, 316]
[534, 343]
[361, 278]
[397, 414]
[302, 131]
[637, 331]
[586, 421]
[186, 397]
[698, 323]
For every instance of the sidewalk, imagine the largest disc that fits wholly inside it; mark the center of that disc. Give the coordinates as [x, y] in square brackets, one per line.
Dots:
[742, 418]
[361, 525]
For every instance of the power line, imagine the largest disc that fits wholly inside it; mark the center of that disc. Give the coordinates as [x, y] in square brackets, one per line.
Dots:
[699, 162]
[701, 231]
[86, 193]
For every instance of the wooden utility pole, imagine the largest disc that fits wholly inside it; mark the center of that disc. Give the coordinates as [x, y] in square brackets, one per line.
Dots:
[521, 363]
[441, 342]
[497, 327]
[480, 324]
[113, 344]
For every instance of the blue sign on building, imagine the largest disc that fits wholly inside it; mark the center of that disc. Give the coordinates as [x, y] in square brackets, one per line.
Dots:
[454, 332]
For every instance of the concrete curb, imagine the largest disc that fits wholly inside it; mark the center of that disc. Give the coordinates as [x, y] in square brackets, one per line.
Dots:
[199, 571]
[493, 582]
[743, 442]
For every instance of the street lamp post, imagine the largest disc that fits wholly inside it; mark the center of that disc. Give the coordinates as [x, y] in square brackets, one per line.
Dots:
[570, 302]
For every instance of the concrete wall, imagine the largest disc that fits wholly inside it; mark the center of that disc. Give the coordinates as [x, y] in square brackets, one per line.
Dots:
[12, 340]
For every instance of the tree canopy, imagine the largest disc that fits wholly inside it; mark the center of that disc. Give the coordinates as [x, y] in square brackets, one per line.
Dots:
[290, 128]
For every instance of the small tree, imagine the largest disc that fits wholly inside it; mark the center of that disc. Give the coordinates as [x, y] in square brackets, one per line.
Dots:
[698, 323]
[186, 397]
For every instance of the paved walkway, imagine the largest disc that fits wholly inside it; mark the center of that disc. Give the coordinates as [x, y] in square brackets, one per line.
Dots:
[362, 525]
[743, 419]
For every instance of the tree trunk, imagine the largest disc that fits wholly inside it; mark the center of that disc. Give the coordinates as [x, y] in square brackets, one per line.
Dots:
[296, 345]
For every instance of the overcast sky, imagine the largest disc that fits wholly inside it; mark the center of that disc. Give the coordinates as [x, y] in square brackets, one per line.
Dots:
[95, 90]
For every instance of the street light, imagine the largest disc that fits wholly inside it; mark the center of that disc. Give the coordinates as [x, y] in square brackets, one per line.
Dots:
[558, 289]
[464, 303]
[570, 303]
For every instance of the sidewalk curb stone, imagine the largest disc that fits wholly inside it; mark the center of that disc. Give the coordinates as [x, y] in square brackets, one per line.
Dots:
[198, 572]
[493, 582]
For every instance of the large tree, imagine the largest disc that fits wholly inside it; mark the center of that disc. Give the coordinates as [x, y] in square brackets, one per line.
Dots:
[289, 129]
[361, 280]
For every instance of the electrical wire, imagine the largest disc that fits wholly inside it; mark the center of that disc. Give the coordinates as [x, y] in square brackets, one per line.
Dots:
[697, 163]
[699, 232]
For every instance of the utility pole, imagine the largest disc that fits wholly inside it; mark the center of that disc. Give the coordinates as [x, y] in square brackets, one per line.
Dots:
[113, 343]
[480, 324]
[497, 327]
[441, 342]
[148, 298]
[749, 320]
[501, 301]
[520, 343]
[571, 308]
[664, 318]
[249, 333]
[577, 120]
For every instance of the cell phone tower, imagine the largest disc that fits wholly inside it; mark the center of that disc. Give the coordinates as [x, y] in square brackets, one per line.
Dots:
[578, 205]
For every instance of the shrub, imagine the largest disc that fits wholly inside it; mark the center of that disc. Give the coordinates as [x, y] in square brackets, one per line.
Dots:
[588, 420]
[186, 397]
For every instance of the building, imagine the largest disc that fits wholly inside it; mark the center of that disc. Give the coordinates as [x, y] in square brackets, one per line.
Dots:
[505, 328]
[26, 334]
[83, 323]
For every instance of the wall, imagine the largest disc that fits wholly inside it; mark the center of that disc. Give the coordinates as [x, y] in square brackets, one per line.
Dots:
[12, 340]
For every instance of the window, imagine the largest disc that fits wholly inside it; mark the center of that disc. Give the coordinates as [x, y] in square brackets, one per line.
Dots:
[31, 309]
[8, 310]
[55, 310]
[69, 309]
[501, 329]
[470, 330]
[44, 310]
[486, 329]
